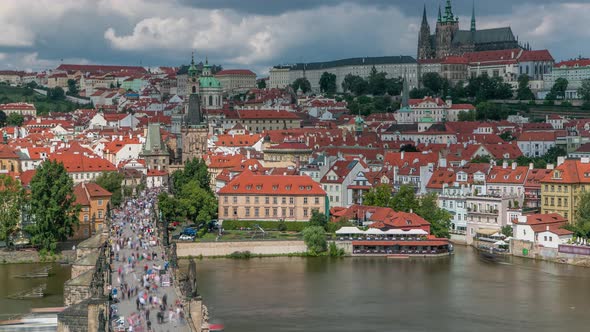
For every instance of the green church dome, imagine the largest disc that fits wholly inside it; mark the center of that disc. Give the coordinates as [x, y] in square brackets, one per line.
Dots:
[209, 82]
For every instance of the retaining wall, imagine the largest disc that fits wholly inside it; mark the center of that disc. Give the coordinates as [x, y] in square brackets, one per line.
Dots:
[208, 249]
[547, 254]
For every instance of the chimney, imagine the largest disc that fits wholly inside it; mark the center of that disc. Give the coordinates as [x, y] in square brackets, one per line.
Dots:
[402, 157]
[584, 160]
[560, 160]
[248, 154]
[514, 165]
[504, 164]
[550, 166]
[531, 166]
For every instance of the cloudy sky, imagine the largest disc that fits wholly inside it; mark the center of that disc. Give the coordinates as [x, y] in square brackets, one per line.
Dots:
[255, 34]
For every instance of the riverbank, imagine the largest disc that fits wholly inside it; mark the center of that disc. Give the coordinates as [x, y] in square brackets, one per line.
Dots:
[28, 256]
[224, 249]
[526, 249]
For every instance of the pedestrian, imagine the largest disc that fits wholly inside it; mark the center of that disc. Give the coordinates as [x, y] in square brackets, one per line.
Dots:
[165, 300]
[137, 303]
[147, 314]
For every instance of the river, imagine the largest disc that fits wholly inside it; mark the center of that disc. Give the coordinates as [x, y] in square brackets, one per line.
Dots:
[10, 285]
[458, 293]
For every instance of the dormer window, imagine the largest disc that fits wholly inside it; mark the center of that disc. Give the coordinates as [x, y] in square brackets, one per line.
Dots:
[236, 187]
[248, 187]
[275, 187]
[258, 187]
[557, 175]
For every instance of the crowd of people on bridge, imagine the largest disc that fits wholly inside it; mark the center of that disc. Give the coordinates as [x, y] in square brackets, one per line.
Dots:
[143, 281]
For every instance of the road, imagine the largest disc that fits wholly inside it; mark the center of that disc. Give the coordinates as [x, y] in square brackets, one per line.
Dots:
[140, 273]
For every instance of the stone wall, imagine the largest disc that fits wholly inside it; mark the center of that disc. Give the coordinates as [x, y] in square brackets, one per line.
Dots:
[208, 249]
[547, 254]
[77, 270]
[75, 294]
[346, 246]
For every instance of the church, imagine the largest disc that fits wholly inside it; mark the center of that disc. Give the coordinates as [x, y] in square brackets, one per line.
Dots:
[448, 40]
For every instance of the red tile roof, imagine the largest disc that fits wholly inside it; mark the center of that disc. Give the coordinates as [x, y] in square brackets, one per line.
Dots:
[236, 72]
[573, 63]
[101, 68]
[507, 175]
[78, 163]
[388, 218]
[571, 171]
[434, 242]
[546, 136]
[267, 114]
[535, 55]
[286, 185]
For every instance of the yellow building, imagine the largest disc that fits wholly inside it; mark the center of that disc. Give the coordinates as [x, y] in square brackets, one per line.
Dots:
[560, 189]
[94, 201]
[270, 197]
[9, 160]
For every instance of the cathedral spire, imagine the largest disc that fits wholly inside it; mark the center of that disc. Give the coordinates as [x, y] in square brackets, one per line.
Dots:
[424, 19]
[449, 17]
[439, 14]
[473, 17]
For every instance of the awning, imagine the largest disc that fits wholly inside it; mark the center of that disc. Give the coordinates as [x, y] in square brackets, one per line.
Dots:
[349, 230]
[486, 231]
[406, 232]
[374, 231]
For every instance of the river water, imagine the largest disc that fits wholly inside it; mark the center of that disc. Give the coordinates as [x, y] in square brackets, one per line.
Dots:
[458, 293]
[10, 285]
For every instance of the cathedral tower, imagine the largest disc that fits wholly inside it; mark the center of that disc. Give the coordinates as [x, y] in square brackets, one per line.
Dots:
[446, 27]
[425, 49]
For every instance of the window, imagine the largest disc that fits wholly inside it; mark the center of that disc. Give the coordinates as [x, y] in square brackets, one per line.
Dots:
[267, 212]
[275, 200]
[291, 200]
[247, 199]
[86, 217]
[291, 212]
[305, 212]
[100, 202]
[284, 200]
[275, 212]
[247, 211]
[235, 199]
[99, 214]
[267, 200]
[224, 199]
[256, 212]
[317, 200]
[304, 200]
[235, 211]
[225, 211]
[552, 201]
[256, 200]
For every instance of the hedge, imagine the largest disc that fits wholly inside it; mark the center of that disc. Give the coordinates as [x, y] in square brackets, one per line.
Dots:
[293, 226]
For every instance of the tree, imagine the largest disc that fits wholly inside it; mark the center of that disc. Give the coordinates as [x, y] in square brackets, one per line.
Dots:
[2, 119]
[582, 226]
[377, 82]
[56, 93]
[439, 219]
[507, 136]
[52, 206]
[328, 83]
[302, 83]
[199, 204]
[355, 84]
[559, 87]
[480, 160]
[405, 199]
[466, 116]
[393, 86]
[194, 169]
[409, 148]
[507, 230]
[112, 181]
[315, 239]
[378, 196]
[433, 82]
[584, 91]
[11, 202]
[15, 119]
[318, 219]
[261, 84]
[551, 155]
[73, 88]
[420, 93]
[524, 92]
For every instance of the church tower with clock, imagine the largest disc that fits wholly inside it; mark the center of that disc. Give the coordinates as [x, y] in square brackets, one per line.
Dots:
[194, 127]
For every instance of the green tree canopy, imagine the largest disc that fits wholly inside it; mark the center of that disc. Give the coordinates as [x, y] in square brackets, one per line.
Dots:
[582, 226]
[318, 219]
[73, 88]
[355, 84]
[524, 92]
[56, 93]
[11, 203]
[484, 88]
[405, 199]
[194, 169]
[112, 181]
[315, 239]
[416, 93]
[490, 111]
[480, 160]
[199, 205]
[328, 83]
[559, 87]
[439, 219]
[2, 119]
[302, 83]
[378, 196]
[466, 116]
[52, 206]
[261, 84]
[434, 82]
[15, 119]
[584, 90]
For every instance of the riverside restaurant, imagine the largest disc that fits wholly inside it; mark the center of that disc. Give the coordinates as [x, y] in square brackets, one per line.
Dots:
[393, 242]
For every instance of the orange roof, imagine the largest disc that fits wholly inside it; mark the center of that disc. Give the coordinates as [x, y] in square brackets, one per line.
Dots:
[498, 174]
[286, 185]
[388, 218]
[236, 72]
[6, 152]
[237, 140]
[538, 136]
[571, 171]
[267, 114]
[75, 163]
[116, 145]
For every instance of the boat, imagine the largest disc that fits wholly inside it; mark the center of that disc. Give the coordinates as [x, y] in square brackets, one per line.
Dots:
[33, 293]
[41, 273]
[490, 254]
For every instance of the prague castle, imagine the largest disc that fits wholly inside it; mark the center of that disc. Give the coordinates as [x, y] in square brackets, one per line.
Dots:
[449, 40]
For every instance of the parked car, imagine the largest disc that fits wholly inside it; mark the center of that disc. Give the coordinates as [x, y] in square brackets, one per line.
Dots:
[186, 238]
[189, 231]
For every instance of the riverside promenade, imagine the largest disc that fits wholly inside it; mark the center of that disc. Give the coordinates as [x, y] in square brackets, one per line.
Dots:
[142, 287]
